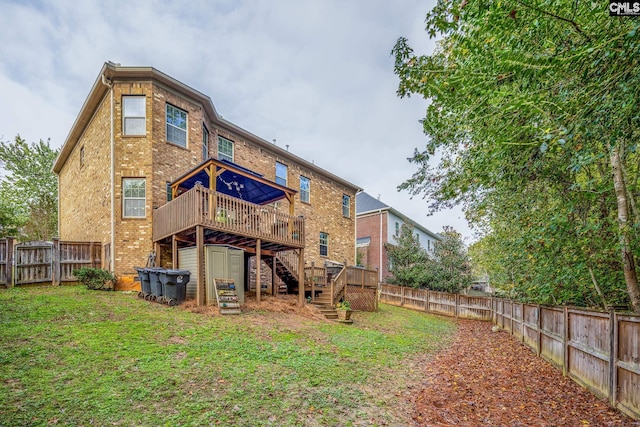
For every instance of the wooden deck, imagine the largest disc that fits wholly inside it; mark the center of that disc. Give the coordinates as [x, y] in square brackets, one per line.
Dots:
[228, 220]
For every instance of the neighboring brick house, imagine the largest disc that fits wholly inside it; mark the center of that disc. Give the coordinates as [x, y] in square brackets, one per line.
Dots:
[377, 224]
[138, 131]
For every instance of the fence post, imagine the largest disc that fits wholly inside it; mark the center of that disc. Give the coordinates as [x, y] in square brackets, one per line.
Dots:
[565, 342]
[426, 300]
[401, 296]
[11, 241]
[55, 273]
[93, 258]
[613, 356]
[457, 304]
[539, 343]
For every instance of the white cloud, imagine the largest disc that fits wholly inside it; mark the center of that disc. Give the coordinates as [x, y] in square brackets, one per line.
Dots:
[315, 75]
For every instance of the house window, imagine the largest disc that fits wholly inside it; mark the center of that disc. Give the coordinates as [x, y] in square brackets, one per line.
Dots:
[225, 149]
[346, 205]
[324, 244]
[305, 189]
[176, 126]
[134, 115]
[169, 192]
[281, 174]
[205, 142]
[134, 197]
[397, 228]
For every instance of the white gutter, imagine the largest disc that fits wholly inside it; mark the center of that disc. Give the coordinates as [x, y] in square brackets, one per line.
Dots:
[112, 264]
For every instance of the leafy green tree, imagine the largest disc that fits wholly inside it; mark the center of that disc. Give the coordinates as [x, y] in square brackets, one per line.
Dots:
[450, 269]
[533, 114]
[409, 261]
[29, 190]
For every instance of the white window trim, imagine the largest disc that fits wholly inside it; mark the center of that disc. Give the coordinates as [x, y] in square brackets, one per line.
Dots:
[286, 177]
[307, 191]
[233, 149]
[124, 198]
[185, 130]
[347, 206]
[125, 116]
[321, 245]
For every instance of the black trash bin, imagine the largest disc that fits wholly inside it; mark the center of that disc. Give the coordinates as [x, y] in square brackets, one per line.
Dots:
[174, 285]
[145, 284]
[155, 284]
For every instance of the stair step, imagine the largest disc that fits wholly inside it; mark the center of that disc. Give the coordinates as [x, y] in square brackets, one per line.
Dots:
[230, 311]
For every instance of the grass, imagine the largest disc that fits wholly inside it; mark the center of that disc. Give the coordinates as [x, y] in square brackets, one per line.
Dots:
[70, 356]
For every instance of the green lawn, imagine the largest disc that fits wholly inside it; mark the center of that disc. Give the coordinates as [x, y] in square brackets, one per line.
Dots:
[70, 356]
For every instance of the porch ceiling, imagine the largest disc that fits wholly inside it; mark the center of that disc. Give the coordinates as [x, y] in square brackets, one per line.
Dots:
[233, 180]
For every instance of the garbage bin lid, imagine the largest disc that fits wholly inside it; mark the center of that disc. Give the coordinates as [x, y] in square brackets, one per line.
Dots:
[178, 272]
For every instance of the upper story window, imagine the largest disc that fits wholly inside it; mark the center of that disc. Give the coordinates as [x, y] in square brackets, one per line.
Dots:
[346, 206]
[225, 149]
[176, 126]
[281, 174]
[133, 197]
[205, 142]
[134, 115]
[305, 189]
[397, 228]
[324, 244]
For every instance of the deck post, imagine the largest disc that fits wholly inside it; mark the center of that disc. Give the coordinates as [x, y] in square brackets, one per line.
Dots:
[258, 262]
[301, 278]
[174, 252]
[274, 276]
[313, 281]
[200, 283]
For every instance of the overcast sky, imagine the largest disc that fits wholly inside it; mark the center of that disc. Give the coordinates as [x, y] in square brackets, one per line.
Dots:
[315, 75]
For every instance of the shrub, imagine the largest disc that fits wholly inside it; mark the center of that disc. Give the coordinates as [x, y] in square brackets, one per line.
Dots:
[95, 278]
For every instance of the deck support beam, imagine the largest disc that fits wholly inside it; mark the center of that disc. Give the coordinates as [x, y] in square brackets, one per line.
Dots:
[301, 278]
[258, 262]
[200, 282]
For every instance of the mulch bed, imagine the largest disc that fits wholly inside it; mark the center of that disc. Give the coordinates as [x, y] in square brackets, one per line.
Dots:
[490, 378]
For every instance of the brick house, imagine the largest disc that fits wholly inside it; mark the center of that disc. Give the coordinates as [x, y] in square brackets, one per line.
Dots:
[377, 224]
[144, 140]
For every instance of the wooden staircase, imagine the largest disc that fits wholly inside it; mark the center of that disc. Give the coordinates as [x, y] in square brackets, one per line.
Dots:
[286, 266]
[325, 305]
[226, 296]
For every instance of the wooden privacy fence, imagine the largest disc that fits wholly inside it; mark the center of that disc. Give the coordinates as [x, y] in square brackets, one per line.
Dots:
[599, 350]
[45, 262]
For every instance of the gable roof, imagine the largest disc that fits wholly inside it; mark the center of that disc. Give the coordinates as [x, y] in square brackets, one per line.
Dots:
[112, 72]
[367, 205]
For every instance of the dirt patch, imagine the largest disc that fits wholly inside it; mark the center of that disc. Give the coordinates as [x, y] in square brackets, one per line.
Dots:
[490, 378]
[285, 304]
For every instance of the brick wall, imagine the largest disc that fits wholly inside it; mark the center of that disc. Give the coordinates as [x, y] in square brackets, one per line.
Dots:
[322, 214]
[369, 226]
[85, 200]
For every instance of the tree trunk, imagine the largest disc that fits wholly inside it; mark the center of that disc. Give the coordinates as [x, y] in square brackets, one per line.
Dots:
[628, 262]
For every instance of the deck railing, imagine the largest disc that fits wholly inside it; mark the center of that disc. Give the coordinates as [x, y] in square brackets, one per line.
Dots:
[199, 206]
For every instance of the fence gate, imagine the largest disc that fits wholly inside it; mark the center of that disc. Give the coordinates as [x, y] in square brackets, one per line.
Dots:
[34, 262]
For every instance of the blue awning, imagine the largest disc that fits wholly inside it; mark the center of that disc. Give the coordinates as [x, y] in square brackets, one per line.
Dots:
[235, 181]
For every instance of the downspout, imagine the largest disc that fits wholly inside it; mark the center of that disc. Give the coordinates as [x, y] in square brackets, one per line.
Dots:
[112, 266]
[380, 249]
